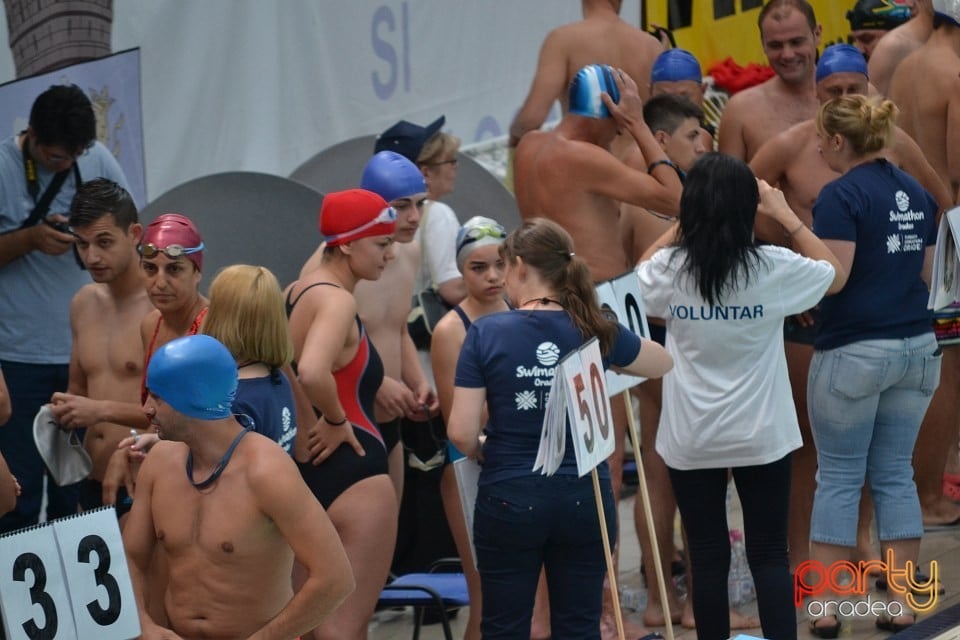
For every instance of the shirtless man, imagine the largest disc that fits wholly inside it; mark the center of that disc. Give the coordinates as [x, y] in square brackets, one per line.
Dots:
[233, 522]
[790, 36]
[926, 87]
[570, 176]
[792, 159]
[384, 305]
[600, 38]
[894, 47]
[870, 20]
[107, 354]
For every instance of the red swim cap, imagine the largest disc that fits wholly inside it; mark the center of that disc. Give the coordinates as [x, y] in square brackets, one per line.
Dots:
[353, 214]
[173, 228]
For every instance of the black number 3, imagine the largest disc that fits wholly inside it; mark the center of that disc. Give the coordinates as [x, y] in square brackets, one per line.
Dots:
[31, 562]
[109, 615]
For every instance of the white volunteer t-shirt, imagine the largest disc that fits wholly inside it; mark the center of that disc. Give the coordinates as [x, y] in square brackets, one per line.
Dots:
[727, 402]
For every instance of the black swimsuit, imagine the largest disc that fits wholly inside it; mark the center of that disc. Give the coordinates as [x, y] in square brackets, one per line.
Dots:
[357, 385]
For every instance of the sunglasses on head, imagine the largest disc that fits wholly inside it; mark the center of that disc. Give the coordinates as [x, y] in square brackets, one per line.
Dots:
[172, 251]
[386, 216]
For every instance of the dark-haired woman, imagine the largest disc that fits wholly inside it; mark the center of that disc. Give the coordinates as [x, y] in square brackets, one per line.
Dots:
[727, 404]
[524, 520]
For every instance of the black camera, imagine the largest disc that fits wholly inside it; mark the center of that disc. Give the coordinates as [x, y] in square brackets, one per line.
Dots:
[62, 227]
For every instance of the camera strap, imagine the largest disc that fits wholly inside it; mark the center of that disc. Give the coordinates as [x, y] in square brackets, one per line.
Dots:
[33, 186]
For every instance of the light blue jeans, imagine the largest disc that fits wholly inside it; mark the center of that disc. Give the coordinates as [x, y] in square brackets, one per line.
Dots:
[866, 401]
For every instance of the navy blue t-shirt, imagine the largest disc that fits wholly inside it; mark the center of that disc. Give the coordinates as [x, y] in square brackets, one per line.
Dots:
[269, 403]
[514, 355]
[892, 220]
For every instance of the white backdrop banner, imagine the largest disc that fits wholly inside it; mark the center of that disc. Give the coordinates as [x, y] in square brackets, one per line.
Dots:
[246, 85]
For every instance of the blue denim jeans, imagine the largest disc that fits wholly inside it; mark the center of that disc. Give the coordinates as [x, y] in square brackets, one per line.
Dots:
[31, 386]
[525, 523]
[866, 401]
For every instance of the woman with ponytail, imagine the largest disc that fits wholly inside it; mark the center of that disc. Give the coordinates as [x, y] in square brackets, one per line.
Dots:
[524, 520]
[876, 362]
[727, 404]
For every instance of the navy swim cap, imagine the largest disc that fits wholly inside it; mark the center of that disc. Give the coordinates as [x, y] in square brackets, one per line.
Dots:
[838, 58]
[878, 14]
[586, 87]
[196, 375]
[948, 9]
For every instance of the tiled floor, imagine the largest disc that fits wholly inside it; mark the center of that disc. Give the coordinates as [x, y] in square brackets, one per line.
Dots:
[944, 547]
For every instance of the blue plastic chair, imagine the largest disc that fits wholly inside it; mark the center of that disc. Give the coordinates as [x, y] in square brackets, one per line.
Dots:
[420, 590]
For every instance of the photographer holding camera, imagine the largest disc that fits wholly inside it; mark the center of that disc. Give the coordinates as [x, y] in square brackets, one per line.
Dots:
[40, 170]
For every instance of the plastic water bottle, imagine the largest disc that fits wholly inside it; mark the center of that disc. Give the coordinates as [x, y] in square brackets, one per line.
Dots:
[740, 580]
[633, 598]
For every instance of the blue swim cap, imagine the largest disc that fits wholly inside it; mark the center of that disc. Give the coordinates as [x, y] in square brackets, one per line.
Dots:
[948, 10]
[391, 176]
[477, 232]
[196, 375]
[675, 65]
[586, 87]
[839, 58]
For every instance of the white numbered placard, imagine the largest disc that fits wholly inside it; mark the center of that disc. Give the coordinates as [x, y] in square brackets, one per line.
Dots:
[74, 581]
[98, 579]
[33, 591]
[588, 407]
[622, 296]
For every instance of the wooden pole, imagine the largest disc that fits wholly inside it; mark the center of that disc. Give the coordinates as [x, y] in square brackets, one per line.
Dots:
[648, 514]
[608, 554]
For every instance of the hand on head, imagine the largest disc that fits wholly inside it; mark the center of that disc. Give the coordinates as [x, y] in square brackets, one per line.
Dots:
[629, 109]
[774, 205]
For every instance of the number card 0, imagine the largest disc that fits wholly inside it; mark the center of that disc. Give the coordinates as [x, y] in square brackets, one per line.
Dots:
[72, 581]
[622, 297]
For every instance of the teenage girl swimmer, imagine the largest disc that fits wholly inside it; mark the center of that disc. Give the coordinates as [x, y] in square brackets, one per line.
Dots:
[341, 455]
[478, 258]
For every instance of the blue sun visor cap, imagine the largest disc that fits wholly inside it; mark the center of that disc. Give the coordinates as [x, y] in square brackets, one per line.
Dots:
[587, 87]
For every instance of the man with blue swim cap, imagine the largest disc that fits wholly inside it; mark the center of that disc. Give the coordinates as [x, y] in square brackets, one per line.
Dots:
[229, 508]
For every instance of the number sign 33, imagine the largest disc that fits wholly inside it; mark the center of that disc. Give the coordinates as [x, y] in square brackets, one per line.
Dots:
[67, 579]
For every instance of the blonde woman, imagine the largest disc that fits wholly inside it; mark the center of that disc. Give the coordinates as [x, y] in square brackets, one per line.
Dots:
[246, 314]
[876, 362]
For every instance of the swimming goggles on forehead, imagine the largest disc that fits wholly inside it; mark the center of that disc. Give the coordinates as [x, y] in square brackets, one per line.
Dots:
[172, 251]
[386, 216]
[474, 233]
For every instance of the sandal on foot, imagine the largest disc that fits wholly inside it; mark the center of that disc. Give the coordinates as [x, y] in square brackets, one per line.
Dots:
[887, 624]
[825, 631]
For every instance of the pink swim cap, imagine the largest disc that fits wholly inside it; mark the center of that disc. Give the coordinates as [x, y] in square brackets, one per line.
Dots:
[175, 229]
